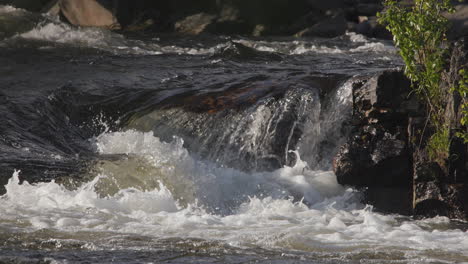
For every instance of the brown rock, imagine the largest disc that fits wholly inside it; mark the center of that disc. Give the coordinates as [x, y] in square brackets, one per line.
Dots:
[195, 24]
[88, 13]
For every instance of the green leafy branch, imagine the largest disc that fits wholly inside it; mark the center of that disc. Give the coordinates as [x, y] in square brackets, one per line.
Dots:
[420, 35]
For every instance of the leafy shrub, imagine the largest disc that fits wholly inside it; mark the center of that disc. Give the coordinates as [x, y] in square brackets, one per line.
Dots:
[420, 35]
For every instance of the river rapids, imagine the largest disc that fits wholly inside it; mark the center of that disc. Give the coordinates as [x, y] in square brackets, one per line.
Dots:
[134, 148]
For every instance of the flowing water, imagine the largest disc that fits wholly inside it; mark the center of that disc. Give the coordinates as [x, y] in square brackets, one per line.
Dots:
[164, 149]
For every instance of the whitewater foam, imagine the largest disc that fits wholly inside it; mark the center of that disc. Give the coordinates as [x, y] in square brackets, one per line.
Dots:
[7, 9]
[216, 187]
[98, 38]
[57, 32]
[103, 39]
[334, 223]
[50, 29]
[354, 37]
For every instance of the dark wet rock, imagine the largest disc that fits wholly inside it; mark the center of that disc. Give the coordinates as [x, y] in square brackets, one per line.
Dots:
[275, 15]
[371, 28]
[386, 154]
[435, 198]
[435, 192]
[30, 5]
[441, 188]
[226, 23]
[52, 8]
[374, 157]
[377, 155]
[379, 197]
[368, 9]
[329, 27]
[326, 5]
[89, 13]
[229, 21]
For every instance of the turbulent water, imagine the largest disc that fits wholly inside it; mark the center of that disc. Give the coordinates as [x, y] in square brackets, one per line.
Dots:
[147, 149]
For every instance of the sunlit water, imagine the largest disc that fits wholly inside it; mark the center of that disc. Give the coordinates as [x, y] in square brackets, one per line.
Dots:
[161, 149]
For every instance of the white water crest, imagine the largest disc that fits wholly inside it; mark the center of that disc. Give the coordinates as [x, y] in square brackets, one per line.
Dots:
[51, 30]
[58, 32]
[300, 47]
[261, 209]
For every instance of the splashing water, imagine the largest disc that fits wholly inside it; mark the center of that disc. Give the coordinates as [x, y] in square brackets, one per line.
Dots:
[146, 197]
[260, 209]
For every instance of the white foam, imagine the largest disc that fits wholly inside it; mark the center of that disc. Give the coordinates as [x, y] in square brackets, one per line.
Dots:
[329, 223]
[290, 47]
[7, 9]
[99, 38]
[354, 37]
[374, 47]
[309, 47]
[58, 32]
[219, 187]
[303, 49]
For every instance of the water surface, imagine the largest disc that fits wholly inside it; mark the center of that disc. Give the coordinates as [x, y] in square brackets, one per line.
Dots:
[134, 148]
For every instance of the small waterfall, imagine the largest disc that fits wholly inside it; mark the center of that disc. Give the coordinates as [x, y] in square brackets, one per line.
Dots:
[322, 137]
[239, 130]
[256, 136]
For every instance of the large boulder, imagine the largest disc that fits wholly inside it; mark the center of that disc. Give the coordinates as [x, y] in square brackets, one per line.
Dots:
[377, 155]
[386, 152]
[89, 13]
